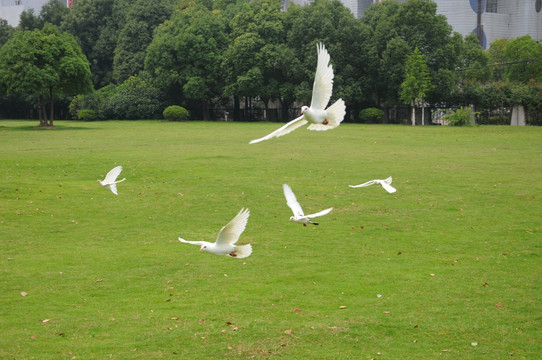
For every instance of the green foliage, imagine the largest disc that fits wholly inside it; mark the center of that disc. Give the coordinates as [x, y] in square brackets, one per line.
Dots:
[418, 81]
[474, 61]
[135, 35]
[86, 115]
[175, 113]
[522, 49]
[6, 31]
[185, 53]
[44, 62]
[111, 277]
[95, 25]
[371, 115]
[460, 117]
[135, 98]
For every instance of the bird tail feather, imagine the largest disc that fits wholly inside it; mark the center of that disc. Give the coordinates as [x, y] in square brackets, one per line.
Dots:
[335, 115]
[243, 251]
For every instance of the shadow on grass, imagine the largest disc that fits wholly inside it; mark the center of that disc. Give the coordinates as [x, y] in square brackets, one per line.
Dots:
[34, 127]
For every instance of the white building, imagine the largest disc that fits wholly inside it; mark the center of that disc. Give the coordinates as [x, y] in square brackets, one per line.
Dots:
[11, 10]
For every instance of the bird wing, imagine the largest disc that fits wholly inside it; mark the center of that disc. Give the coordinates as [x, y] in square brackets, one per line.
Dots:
[287, 128]
[321, 213]
[323, 80]
[371, 182]
[230, 233]
[387, 186]
[291, 200]
[193, 242]
[113, 174]
[113, 188]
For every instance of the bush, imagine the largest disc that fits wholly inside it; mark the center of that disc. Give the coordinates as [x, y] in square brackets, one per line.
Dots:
[134, 99]
[175, 113]
[459, 117]
[371, 115]
[86, 115]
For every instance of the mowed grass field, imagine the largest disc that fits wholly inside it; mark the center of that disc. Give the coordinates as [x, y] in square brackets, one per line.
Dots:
[447, 267]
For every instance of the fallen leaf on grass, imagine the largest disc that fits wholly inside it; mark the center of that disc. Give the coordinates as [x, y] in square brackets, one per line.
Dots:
[24, 293]
[99, 280]
[387, 312]
[297, 310]
[174, 318]
[289, 331]
[499, 304]
[45, 321]
[342, 307]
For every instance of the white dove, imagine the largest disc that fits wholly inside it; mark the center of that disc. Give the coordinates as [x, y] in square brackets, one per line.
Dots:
[317, 114]
[299, 216]
[109, 181]
[386, 184]
[227, 237]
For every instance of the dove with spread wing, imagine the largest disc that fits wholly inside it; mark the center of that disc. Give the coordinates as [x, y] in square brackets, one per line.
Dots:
[110, 182]
[226, 239]
[316, 114]
[299, 216]
[386, 184]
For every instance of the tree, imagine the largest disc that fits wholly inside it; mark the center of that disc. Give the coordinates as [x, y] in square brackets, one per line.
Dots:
[527, 53]
[135, 35]
[94, 23]
[395, 31]
[257, 62]
[52, 12]
[6, 31]
[44, 63]
[185, 55]
[417, 83]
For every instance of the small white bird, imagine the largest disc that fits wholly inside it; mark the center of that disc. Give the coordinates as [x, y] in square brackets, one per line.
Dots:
[227, 237]
[299, 216]
[110, 180]
[386, 184]
[317, 114]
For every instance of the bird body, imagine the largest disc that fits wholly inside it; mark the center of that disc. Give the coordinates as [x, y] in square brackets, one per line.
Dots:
[386, 184]
[226, 239]
[110, 182]
[299, 216]
[317, 115]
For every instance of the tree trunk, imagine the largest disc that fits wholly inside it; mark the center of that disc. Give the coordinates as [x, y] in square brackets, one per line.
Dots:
[39, 110]
[413, 116]
[205, 110]
[51, 111]
[423, 113]
[236, 109]
[42, 112]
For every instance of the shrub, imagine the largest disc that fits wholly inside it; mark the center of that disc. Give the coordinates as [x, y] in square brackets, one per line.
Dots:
[459, 117]
[134, 99]
[371, 115]
[86, 115]
[175, 113]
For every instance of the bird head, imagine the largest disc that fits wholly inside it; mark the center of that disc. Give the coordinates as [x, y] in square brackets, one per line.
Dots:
[304, 108]
[292, 218]
[99, 181]
[203, 248]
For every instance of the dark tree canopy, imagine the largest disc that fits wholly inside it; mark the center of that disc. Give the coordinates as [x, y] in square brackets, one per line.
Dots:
[43, 63]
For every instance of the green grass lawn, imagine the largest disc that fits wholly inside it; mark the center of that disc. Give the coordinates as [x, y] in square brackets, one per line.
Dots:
[447, 267]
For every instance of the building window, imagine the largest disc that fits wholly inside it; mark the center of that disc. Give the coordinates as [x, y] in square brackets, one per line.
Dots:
[491, 6]
[17, 2]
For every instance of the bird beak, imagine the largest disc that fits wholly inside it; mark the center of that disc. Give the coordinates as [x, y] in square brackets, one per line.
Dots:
[302, 111]
[200, 249]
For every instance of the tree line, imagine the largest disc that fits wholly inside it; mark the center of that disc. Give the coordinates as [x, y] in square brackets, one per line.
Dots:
[131, 59]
